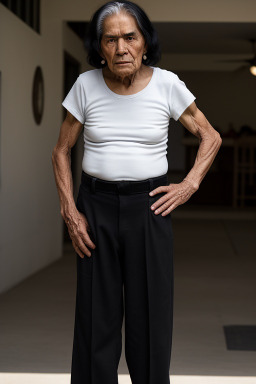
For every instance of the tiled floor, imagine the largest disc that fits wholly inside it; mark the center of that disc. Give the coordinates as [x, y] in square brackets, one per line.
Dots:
[215, 285]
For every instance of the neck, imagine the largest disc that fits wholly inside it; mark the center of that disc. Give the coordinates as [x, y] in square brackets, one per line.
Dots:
[125, 79]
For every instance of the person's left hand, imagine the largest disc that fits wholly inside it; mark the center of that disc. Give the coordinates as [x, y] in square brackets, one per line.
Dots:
[176, 194]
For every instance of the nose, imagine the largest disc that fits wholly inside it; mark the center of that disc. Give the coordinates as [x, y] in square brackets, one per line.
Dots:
[121, 47]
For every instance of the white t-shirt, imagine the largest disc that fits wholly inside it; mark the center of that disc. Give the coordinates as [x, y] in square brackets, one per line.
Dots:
[125, 136]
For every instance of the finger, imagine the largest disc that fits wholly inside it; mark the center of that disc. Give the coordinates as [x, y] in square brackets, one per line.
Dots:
[162, 207]
[82, 246]
[171, 201]
[77, 241]
[160, 201]
[77, 250]
[87, 240]
[175, 198]
[84, 229]
[162, 188]
[169, 209]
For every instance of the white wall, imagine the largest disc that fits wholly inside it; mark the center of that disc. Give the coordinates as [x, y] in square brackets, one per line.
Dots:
[30, 225]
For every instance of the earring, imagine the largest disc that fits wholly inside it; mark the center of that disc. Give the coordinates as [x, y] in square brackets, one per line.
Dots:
[144, 57]
[103, 61]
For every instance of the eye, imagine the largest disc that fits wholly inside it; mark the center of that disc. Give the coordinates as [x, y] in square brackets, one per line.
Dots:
[130, 37]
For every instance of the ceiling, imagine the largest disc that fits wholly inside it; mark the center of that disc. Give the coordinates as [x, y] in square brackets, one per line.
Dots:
[206, 38]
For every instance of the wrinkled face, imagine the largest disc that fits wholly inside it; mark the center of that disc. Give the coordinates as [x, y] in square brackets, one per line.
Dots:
[122, 41]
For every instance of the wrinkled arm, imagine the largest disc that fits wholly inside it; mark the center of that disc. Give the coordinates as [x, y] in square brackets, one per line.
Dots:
[61, 161]
[76, 221]
[209, 143]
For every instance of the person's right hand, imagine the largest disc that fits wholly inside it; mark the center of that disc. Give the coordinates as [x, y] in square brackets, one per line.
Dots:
[78, 229]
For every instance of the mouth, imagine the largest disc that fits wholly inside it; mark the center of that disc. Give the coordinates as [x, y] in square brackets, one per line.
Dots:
[123, 62]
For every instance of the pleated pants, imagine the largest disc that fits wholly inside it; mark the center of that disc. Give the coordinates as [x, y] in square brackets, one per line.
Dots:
[129, 275]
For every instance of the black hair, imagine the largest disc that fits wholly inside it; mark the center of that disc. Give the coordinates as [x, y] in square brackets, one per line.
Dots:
[93, 34]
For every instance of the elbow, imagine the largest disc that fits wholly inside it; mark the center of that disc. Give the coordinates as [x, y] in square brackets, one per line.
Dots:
[54, 154]
[60, 152]
[215, 137]
[218, 140]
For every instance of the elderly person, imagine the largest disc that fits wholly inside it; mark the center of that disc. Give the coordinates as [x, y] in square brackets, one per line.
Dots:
[120, 225]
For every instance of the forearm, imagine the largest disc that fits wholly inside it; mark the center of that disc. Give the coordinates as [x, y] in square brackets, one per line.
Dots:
[63, 178]
[209, 145]
[207, 151]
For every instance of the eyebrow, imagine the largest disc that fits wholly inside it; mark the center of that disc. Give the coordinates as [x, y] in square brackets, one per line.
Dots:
[124, 34]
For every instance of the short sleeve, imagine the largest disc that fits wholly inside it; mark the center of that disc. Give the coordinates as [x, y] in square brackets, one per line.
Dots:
[180, 98]
[75, 99]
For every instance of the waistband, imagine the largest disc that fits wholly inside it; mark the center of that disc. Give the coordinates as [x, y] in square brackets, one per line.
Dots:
[124, 187]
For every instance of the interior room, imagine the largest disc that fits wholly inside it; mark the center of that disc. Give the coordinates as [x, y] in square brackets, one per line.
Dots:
[211, 46]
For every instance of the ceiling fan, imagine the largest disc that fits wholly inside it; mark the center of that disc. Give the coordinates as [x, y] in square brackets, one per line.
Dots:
[249, 63]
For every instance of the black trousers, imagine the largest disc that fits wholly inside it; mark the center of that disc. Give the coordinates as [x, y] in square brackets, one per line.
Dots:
[130, 275]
